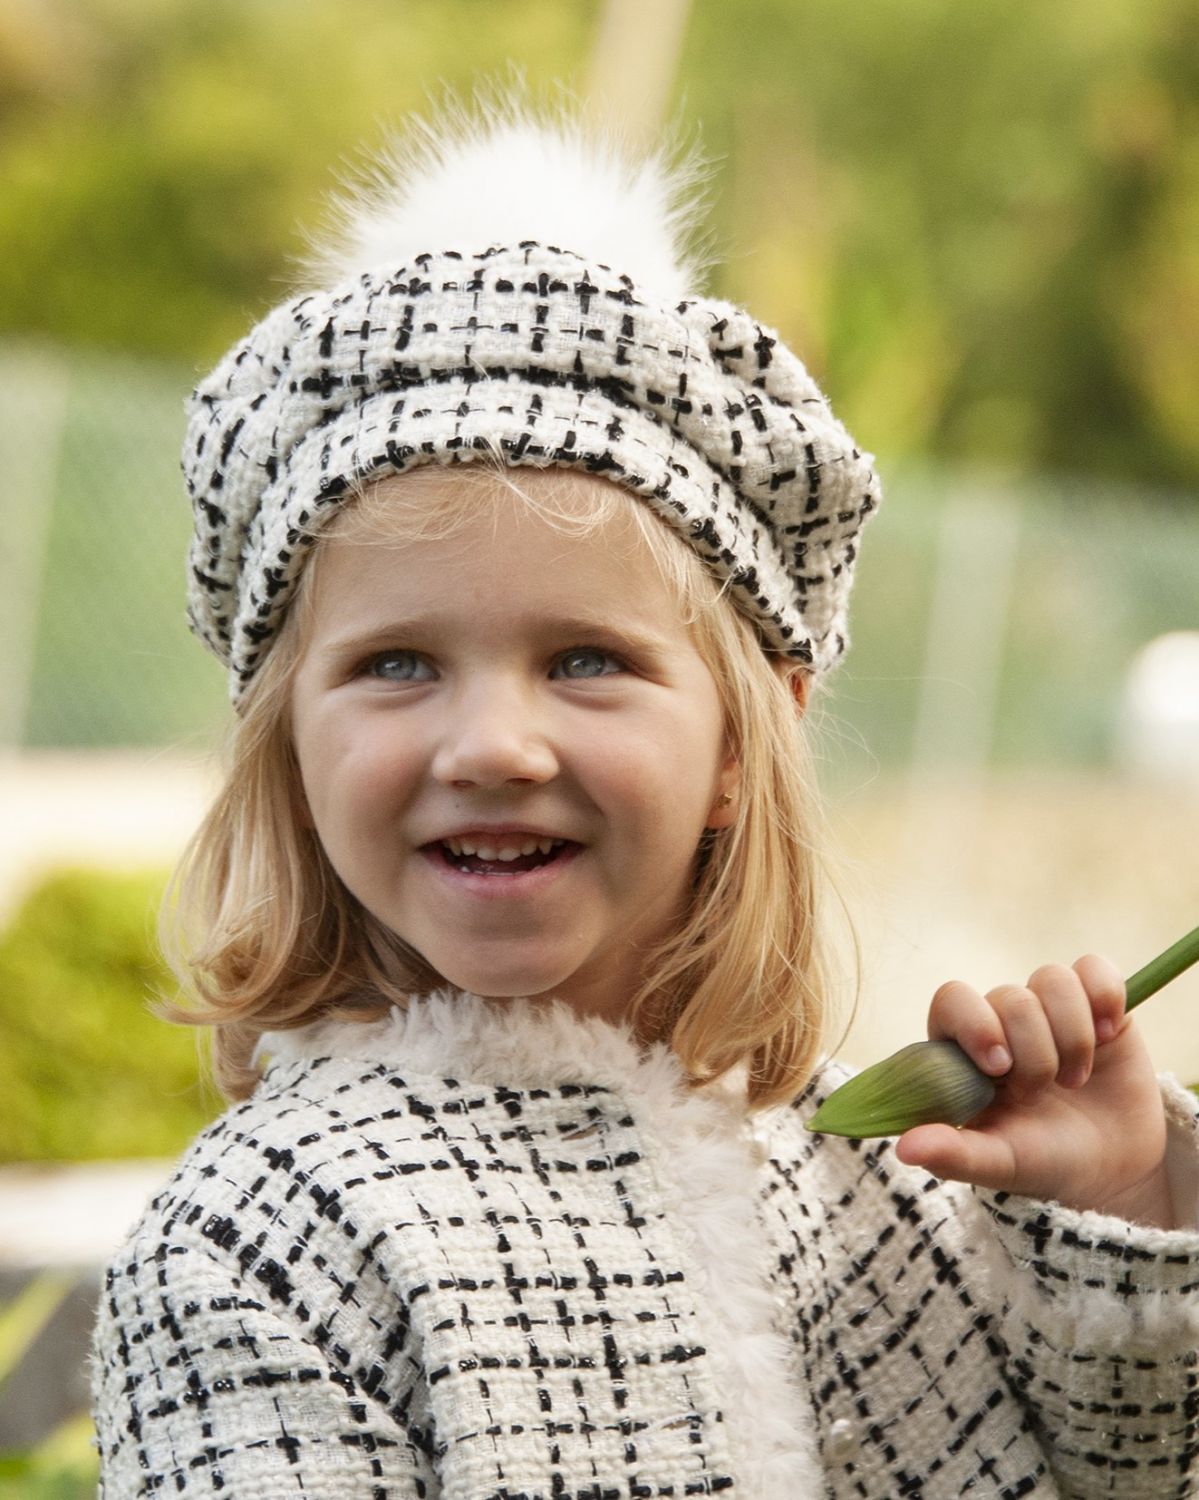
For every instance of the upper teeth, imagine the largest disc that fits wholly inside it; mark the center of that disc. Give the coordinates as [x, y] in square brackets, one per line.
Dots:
[527, 845]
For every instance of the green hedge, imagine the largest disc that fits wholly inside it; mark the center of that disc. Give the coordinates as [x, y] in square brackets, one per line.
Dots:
[86, 1070]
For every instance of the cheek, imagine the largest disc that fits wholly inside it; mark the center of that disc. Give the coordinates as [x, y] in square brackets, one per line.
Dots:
[348, 778]
[691, 759]
[664, 788]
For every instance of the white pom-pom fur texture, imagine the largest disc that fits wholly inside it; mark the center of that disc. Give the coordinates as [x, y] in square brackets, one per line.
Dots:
[502, 171]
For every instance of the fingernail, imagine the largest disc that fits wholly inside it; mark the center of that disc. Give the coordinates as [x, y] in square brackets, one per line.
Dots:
[1105, 1029]
[999, 1059]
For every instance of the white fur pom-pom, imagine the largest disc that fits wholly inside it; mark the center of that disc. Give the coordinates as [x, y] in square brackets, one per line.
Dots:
[504, 173]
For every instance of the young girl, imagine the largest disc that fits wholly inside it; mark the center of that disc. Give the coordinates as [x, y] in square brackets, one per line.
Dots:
[524, 559]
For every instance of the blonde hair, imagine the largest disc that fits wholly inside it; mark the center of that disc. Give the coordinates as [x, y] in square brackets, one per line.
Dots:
[263, 936]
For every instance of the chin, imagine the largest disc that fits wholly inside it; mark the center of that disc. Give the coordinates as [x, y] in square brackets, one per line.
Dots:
[517, 984]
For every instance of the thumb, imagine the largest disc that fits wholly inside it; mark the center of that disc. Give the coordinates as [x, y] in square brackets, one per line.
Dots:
[961, 1155]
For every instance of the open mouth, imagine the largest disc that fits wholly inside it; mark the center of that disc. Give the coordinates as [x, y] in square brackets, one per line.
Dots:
[477, 858]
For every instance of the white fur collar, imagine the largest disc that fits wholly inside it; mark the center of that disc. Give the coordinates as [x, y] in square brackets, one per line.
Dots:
[518, 1043]
[699, 1146]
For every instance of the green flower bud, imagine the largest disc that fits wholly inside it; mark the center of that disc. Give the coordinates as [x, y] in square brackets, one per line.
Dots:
[919, 1085]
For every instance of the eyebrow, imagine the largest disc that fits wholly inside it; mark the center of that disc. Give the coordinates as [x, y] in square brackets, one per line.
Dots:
[583, 628]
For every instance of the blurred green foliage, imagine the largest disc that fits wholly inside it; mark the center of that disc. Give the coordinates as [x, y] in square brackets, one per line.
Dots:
[980, 222]
[87, 1071]
[19, 1480]
[64, 1466]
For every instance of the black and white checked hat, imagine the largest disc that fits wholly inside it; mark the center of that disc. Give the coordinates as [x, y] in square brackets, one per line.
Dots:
[437, 339]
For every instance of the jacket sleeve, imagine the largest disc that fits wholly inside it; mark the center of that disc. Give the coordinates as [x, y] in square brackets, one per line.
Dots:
[201, 1388]
[1101, 1320]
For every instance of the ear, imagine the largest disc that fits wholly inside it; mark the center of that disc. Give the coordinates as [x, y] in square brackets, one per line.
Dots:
[796, 680]
[724, 809]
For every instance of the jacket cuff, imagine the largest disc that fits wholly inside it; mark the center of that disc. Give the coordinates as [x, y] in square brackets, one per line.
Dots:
[1100, 1282]
[1182, 1152]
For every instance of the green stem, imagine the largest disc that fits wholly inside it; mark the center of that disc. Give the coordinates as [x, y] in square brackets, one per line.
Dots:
[1162, 969]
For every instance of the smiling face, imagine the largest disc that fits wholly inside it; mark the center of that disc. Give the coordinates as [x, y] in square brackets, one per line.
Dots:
[509, 745]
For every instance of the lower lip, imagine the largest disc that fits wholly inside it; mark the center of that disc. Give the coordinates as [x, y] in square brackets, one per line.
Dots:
[519, 884]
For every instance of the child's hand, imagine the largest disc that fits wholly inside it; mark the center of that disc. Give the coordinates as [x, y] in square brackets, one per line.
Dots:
[1078, 1116]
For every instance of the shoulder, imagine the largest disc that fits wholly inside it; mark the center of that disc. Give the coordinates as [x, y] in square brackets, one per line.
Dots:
[295, 1161]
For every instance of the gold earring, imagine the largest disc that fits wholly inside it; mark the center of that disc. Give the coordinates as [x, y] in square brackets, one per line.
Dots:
[725, 799]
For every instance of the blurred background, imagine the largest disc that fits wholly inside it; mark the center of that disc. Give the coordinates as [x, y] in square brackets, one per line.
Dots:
[978, 224]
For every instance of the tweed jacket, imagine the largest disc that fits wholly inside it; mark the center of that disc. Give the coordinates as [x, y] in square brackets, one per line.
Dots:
[485, 1251]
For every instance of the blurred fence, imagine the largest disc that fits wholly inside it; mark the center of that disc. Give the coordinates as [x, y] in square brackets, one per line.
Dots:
[96, 528]
[995, 621]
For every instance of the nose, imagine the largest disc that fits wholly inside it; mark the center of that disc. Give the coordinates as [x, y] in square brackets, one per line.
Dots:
[494, 735]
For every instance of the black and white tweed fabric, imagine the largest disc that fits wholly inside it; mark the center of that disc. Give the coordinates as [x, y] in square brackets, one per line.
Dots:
[484, 1251]
[539, 356]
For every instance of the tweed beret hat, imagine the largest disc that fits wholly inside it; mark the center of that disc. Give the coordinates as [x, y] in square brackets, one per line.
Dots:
[451, 319]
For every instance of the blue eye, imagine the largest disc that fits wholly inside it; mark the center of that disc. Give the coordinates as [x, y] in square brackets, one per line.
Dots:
[586, 661]
[400, 666]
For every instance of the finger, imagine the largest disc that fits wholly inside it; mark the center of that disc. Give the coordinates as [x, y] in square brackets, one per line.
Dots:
[1068, 1010]
[1029, 1040]
[1104, 986]
[961, 1155]
[960, 1014]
